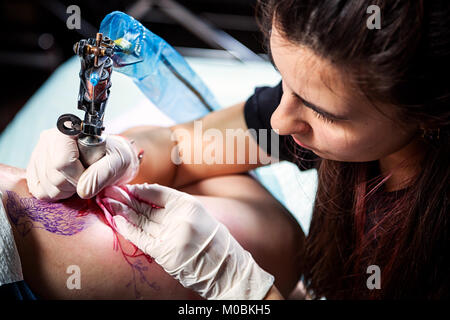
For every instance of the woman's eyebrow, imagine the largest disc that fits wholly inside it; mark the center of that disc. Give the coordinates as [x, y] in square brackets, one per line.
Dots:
[305, 102]
[319, 109]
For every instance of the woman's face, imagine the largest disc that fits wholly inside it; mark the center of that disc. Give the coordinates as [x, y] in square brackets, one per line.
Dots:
[354, 130]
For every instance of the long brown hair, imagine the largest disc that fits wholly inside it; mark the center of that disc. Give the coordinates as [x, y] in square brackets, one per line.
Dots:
[404, 64]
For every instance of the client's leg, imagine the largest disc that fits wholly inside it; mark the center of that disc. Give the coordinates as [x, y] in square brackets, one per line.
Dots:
[258, 221]
[68, 250]
[55, 241]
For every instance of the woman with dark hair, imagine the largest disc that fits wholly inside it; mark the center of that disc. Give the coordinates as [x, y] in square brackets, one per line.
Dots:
[368, 108]
[383, 187]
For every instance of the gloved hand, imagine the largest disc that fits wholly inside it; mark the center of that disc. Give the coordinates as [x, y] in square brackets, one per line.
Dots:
[186, 241]
[55, 171]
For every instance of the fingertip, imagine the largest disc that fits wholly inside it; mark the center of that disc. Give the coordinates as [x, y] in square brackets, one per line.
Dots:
[83, 193]
[36, 189]
[31, 184]
[84, 196]
[31, 178]
[54, 193]
[38, 194]
[87, 186]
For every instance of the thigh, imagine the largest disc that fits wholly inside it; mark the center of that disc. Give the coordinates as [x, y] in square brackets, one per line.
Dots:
[258, 221]
[68, 251]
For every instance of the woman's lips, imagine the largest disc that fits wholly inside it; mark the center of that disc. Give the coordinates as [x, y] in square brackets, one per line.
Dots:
[301, 144]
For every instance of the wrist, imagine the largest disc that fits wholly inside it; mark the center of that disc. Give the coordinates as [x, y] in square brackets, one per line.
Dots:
[135, 158]
[139, 152]
[255, 284]
[157, 165]
[240, 278]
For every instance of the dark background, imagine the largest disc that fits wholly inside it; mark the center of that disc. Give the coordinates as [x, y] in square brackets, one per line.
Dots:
[35, 39]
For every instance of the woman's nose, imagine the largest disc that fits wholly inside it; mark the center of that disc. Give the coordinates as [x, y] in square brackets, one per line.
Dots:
[287, 117]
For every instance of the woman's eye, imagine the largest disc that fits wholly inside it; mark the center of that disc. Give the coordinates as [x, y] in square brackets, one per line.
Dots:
[322, 117]
[318, 115]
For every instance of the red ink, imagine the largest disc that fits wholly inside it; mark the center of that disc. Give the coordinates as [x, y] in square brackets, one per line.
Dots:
[117, 245]
[69, 217]
[108, 219]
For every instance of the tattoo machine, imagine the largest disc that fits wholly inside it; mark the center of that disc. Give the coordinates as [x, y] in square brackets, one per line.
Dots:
[95, 81]
[158, 70]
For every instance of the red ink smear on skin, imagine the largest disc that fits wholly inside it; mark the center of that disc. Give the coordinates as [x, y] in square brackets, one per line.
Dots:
[90, 207]
[108, 219]
[100, 209]
[69, 217]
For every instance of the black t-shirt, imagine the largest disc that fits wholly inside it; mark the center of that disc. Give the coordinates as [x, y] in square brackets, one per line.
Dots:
[258, 111]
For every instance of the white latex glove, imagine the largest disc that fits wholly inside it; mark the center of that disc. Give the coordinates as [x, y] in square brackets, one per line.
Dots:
[186, 241]
[55, 171]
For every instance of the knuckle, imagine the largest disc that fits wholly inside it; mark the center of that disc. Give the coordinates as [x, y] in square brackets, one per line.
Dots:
[34, 190]
[30, 175]
[59, 181]
[185, 234]
[40, 194]
[61, 165]
[64, 161]
[54, 193]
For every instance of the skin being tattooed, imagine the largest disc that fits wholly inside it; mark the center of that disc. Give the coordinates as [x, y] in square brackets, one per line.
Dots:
[51, 237]
[70, 217]
[63, 218]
